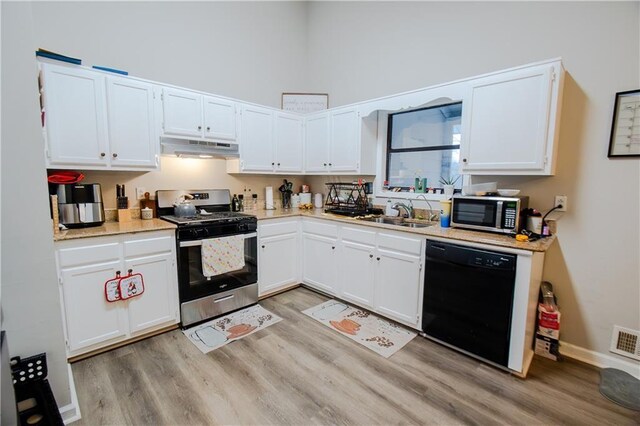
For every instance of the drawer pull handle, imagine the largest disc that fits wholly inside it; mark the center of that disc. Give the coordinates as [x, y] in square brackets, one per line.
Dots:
[222, 299]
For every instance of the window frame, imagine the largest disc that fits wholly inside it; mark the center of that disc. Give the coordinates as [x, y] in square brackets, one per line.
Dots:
[389, 150]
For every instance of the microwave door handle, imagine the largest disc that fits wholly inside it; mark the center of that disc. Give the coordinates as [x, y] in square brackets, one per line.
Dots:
[499, 213]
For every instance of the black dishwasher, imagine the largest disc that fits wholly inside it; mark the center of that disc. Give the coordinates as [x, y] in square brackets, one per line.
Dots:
[468, 299]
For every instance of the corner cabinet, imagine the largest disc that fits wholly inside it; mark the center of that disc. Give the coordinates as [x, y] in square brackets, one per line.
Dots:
[97, 121]
[84, 265]
[511, 121]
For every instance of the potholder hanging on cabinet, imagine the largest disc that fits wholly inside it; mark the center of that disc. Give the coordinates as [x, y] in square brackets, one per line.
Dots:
[131, 286]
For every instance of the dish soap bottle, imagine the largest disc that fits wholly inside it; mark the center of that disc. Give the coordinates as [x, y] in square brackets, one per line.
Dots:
[235, 203]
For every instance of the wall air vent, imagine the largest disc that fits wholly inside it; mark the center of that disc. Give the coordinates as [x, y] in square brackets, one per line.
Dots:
[625, 342]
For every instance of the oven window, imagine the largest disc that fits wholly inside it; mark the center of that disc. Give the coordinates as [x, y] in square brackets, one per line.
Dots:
[193, 284]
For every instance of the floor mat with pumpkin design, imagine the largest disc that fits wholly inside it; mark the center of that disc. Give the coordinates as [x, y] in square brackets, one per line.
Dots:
[220, 331]
[381, 336]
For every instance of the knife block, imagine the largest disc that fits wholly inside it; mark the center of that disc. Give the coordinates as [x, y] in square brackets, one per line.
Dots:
[124, 215]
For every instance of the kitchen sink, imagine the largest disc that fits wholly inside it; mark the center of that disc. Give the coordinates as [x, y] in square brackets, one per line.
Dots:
[388, 220]
[399, 221]
[415, 225]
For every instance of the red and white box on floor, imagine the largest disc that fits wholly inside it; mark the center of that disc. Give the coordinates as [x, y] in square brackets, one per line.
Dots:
[548, 333]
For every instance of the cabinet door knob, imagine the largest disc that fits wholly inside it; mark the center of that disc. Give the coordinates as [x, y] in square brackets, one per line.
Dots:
[324, 164]
[333, 247]
[263, 246]
[377, 258]
[130, 271]
[208, 128]
[371, 256]
[464, 160]
[102, 154]
[273, 164]
[199, 127]
[278, 164]
[329, 163]
[114, 155]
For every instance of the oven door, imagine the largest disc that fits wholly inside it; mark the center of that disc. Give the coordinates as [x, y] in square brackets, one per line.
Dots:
[194, 285]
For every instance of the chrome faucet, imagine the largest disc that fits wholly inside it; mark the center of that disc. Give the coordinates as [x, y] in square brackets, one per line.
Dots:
[432, 215]
[407, 208]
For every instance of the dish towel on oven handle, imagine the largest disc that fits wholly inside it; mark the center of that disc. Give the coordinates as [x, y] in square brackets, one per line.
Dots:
[222, 255]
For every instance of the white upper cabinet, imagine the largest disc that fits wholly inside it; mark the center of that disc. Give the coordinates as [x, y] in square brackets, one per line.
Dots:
[510, 121]
[98, 121]
[219, 118]
[182, 113]
[256, 139]
[132, 136]
[75, 117]
[340, 141]
[289, 137]
[316, 157]
[344, 141]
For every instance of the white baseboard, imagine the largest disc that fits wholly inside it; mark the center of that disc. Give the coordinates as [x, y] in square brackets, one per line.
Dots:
[599, 359]
[71, 412]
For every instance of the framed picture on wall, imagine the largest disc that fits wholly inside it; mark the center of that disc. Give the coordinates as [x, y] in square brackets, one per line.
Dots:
[625, 129]
[305, 102]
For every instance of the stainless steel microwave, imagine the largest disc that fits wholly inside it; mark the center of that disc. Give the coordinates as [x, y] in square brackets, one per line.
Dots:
[494, 214]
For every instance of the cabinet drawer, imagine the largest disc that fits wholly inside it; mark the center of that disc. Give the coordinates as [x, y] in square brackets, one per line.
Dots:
[89, 254]
[358, 235]
[399, 243]
[277, 228]
[146, 246]
[320, 228]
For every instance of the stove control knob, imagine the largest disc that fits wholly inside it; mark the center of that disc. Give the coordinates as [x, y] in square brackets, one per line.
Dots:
[242, 227]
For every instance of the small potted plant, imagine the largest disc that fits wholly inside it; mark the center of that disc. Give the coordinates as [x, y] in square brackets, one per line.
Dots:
[448, 184]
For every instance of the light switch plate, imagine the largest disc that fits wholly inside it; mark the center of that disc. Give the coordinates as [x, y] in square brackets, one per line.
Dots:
[140, 193]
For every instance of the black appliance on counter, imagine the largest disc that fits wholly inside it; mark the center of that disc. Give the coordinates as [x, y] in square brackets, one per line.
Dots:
[204, 297]
[79, 205]
[468, 299]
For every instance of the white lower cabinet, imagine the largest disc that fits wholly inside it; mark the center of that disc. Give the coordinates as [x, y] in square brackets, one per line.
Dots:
[278, 249]
[397, 284]
[90, 319]
[84, 265]
[357, 266]
[319, 262]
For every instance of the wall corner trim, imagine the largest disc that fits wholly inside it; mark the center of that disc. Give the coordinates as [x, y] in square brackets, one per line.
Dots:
[599, 359]
[71, 412]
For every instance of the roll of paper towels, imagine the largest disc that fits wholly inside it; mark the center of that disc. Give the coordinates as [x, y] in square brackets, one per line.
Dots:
[268, 196]
[317, 201]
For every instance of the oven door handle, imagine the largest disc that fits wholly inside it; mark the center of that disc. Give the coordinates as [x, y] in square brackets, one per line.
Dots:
[196, 243]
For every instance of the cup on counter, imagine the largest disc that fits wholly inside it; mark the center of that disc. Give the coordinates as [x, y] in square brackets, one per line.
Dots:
[445, 213]
[317, 201]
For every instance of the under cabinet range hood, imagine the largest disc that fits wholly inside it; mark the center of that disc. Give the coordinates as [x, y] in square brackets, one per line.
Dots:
[198, 149]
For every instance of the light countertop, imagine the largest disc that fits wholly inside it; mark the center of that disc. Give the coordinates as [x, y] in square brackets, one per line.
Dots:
[115, 228]
[541, 245]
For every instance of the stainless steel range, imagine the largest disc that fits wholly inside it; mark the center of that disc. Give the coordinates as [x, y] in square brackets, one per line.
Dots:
[203, 295]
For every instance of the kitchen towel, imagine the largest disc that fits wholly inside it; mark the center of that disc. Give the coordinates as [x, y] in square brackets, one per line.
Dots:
[222, 255]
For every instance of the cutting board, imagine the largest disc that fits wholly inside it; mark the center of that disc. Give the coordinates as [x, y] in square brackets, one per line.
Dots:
[146, 202]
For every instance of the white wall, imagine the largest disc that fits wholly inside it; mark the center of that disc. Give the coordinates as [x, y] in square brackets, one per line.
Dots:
[358, 51]
[30, 301]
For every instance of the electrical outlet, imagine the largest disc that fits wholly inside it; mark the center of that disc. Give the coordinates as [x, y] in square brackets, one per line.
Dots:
[561, 199]
[140, 193]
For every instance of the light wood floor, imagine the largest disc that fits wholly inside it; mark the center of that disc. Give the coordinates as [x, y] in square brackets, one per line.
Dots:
[301, 372]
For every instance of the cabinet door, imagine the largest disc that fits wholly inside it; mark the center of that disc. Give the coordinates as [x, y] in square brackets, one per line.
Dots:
[89, 318]
[75, 116]
[316, 142]
[344, 142]
[507, 122]
[219, 118]
[277, 260]
[398, 285]
[289, 135]
[132, 137]
[158, 305]
[319, 262]
[256, 139]
[356, 269]
[182, 113]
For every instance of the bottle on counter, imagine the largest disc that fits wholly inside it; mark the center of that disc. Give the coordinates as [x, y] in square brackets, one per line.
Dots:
[254, 202]
[240, 203]
[235, 203]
